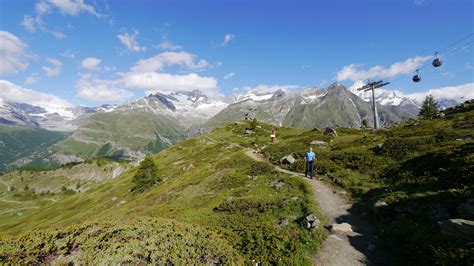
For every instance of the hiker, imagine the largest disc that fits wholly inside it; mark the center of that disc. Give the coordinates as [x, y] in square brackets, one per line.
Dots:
[310, 156]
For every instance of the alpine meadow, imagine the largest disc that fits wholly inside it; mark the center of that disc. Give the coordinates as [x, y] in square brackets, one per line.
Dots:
[156, 132]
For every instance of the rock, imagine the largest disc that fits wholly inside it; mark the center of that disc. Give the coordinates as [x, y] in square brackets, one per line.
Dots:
[330, 132]
[284, 222]
[466, 210]
[318, 143]
[114, 198]
[123, 201]
[316, 129]
[342, 227]
[379, 206]
[461, 229]
[288, 160]
[312, 222]
[248, 131]
[258, 126]
[278, 184]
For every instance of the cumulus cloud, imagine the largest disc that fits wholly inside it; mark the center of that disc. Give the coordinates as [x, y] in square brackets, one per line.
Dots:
[68, 54]
[147, 75]
[354, 73]
[166, 44]
[65, 7]
[91, 63]
[31, 79]
[458, 93]
[13, 93]
[228, 38]
[12, 53]
[29, 23]
[158, 62]
[230, 75]
[54, 68]
[167, 83]
[130, 42]
[263, 88]
[91, 88]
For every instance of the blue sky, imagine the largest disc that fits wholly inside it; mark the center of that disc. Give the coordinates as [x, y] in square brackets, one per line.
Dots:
[226, 46]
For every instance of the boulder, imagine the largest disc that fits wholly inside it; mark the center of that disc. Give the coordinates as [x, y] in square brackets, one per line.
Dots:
[330, 132]
[380, 204]
[288, 159]
[462, 230]
[278, 184]
[284, 222]
[318, 143]
[248, 131]
[342, 227]
[466, 210]
[312, 222]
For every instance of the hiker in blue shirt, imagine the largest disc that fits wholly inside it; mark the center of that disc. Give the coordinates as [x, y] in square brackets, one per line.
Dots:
[310, 156]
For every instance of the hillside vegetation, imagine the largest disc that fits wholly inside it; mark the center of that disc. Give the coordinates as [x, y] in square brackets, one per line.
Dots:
[123, 135]
[247, 208]
[21, 141]
[409, 178]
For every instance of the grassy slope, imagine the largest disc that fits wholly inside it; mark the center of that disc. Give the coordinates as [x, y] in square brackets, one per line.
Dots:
[25, 191]
[207, 181]
[416, 167]
[18, 141]
[136, 130]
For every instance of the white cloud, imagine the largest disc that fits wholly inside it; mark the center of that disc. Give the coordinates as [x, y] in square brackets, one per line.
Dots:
[14, 93]
[68, 54]
[55, 67]
[419, 2]
[147, 75]
[91, 88]
[29, 23]
[91, 63]
[458, 93]
[33, 78]
[167, 83]
[158, 62]
[57, 34]
[354, 73]
[263, 88]
[129, 40]
[66, 7]
[166, 44]
[12, 53]
[230, 75]
[228, 38]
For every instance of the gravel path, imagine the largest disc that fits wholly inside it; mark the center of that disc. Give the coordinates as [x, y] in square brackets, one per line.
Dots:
[352, 239]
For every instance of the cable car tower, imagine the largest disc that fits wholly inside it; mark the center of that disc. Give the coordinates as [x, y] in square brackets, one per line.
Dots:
[371, 86]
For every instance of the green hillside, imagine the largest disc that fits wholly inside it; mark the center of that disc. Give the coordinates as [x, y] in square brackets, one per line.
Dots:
[17, 142]
[206, 182]
[122, 134]
[418, 172]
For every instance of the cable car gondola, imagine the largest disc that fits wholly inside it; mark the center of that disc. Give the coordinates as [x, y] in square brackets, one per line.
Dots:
[437, 62]
[416, 78]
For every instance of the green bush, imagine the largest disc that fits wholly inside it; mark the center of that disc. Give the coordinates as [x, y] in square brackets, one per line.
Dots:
[139, 241]
[146, 175]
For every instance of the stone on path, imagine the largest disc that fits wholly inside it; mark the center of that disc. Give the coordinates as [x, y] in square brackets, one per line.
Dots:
[342, 227]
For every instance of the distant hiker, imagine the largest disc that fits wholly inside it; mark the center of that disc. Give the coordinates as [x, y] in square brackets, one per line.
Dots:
[273, 135]
[310, 156]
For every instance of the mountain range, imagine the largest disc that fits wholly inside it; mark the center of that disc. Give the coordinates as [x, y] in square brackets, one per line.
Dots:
[149, 124]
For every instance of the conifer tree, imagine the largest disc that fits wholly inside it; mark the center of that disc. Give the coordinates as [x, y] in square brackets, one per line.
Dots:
[146, 175]
[429, 108]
